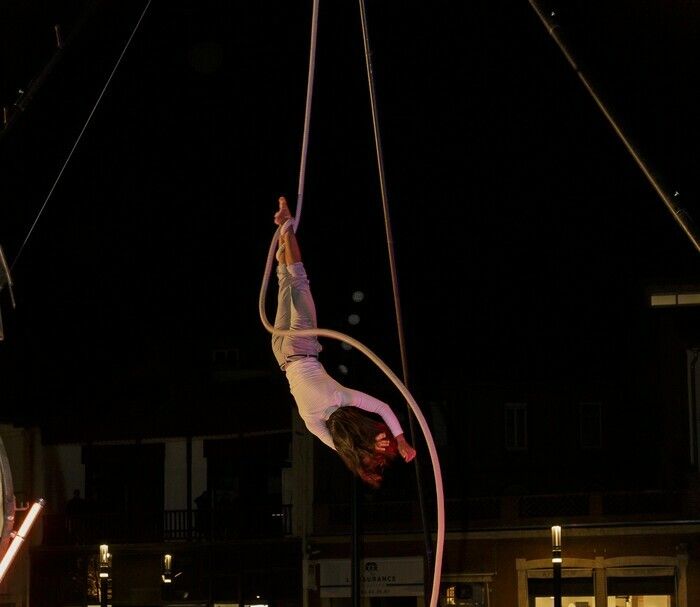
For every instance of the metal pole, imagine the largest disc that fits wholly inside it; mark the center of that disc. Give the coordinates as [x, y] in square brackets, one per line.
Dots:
[556, 564]
[103, 592]
[188, 464]
[693, 410]
[679, 214]
[355, 561]
[105, 571]
[427, 539]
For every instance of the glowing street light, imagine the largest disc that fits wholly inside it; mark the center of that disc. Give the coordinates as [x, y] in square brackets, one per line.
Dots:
[556, 544]
[167, 574]
[105, 560]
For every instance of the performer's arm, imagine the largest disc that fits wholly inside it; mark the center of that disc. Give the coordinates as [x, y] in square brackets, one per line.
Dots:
[374, 405]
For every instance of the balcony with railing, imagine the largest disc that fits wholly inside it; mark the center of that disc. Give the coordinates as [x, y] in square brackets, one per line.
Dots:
[246, 522]
[260, 520]
[474, 513]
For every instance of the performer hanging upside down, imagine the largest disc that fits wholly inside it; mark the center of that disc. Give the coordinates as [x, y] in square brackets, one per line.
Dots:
[330, 411]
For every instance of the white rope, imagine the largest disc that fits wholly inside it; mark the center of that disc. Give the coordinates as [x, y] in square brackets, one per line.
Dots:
[307, 113]
[437, 474]
[395, 288]
[435, 594]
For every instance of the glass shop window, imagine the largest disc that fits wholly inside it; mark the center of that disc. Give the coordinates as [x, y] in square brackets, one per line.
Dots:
[647, 591]
[576, 592]
[464, 594]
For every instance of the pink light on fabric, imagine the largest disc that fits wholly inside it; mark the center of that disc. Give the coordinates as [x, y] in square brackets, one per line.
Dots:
[19, 537]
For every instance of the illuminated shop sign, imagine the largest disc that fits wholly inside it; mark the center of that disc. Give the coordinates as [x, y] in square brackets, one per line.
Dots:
[378, 577]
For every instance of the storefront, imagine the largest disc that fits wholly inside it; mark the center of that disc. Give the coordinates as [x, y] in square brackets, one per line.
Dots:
[644, 565]
[384, 582]
[631, 581]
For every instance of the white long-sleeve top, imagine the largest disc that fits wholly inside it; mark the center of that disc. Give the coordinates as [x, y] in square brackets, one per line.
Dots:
[318, 395]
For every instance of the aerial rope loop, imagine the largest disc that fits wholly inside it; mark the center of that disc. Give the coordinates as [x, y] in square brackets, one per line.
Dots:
[318, 332]
[399, 385]
[427, 540]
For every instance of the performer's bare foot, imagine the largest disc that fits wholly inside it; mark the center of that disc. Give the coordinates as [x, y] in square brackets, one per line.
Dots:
[288, 252]
[283, 214]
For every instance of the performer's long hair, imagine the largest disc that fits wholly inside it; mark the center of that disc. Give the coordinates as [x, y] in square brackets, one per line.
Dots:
[354, 434]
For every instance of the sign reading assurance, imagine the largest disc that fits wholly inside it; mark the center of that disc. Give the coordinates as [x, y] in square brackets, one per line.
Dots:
[378, 577]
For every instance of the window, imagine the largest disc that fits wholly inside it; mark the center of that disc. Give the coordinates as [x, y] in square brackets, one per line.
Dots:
[582, 597]
[591, 425]
[688, 298]
[465, 595]
[245, 493]
[651, 591]
[124, 485]
[516, 426]
[465, 591]
[576, 588]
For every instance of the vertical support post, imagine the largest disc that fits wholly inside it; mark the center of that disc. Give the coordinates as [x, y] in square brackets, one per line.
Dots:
[556, 564]
[105, 571]
[188, 466]
[601, 584]
[355, 561]
[693, 409]
[103, 592]
[427, 537]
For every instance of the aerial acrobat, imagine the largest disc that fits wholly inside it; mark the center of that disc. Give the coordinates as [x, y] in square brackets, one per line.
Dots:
[335, 414]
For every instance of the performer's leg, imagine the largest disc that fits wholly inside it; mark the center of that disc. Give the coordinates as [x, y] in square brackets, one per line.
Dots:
[302, 310]
[290, 244]
[283, 316]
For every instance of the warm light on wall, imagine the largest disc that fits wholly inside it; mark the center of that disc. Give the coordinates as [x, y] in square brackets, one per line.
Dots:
[19, 537]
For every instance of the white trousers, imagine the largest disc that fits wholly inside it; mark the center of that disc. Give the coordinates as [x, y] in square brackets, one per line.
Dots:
[295, 310]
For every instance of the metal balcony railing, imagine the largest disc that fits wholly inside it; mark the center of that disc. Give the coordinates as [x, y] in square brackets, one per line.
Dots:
[471, 513]
[246, 522]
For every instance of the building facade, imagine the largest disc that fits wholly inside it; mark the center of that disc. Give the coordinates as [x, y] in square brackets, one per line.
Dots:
[252, 510]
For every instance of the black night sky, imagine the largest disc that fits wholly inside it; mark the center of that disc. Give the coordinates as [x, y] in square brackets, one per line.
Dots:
[523, 229]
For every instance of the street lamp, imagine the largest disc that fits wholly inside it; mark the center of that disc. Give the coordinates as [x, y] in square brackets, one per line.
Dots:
[105, 571]
[105, 558]
[556, 564]
[167, 574]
